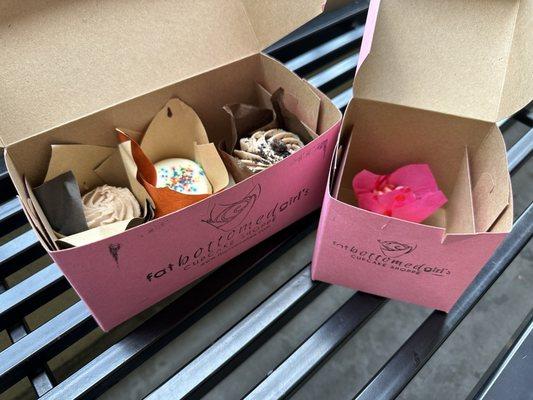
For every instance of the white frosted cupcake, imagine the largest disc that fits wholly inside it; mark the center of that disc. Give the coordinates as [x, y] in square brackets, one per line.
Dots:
[182, 175]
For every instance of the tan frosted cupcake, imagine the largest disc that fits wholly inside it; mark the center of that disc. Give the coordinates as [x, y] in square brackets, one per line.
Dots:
[108, 204]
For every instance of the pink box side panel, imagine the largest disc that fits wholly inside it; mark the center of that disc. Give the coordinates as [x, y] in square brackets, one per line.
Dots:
[368, 34]
[123, 275]
[397, 259]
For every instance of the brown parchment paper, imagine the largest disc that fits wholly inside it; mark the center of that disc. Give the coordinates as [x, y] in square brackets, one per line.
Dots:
[245, 119]
[60, 200]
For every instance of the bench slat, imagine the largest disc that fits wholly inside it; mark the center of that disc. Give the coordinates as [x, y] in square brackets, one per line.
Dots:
[509, 377]
[521, 151]
[30, 294]
[312, 34]
[19, 252]
[11, 216]
[195, 375]
[321, 54]
[332, 75]
[38, 346]
[346, 321]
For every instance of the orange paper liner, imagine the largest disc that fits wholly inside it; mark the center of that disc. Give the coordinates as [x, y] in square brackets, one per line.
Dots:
[166, 200]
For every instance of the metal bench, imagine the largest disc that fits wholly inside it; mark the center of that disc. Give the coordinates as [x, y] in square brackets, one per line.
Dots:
[325, 52]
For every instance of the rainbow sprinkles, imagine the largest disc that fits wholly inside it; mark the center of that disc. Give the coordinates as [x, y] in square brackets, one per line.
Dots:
[183, 176]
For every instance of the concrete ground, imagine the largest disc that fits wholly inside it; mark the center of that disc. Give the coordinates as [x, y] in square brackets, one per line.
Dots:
[450, 374]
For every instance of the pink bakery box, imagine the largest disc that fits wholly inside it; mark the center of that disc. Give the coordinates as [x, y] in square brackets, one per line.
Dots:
[123, 275]
[432, 79]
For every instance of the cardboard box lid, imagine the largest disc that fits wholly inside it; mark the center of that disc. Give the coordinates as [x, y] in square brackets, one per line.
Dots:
[467, 58]
[65, 59]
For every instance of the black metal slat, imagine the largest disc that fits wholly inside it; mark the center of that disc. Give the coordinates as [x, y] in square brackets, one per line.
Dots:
[526, 115]
[110, 366]
[24, 356]
[310, 356]
[16, 303]
[311, 35]
[336, 74]
[41, 382]
[19, 252]
[30, 294]
[8, 190]
[347, 42]
[342, 99]
[345, 322]
[509, 376]
[245, 335]
[41, 378]
[521, 151]
[11, 216]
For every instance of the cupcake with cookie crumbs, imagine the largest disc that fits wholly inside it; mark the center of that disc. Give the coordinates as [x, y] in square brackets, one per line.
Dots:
[265, 148]
[261, 136]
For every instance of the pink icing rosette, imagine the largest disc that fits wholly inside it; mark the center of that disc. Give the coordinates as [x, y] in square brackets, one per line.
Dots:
[409, 193]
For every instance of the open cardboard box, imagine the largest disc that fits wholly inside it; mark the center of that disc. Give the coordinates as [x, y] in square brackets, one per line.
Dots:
[433, 78]
[207, 53]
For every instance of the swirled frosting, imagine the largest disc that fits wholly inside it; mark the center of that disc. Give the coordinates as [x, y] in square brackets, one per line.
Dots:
[107, 204]
[266, 148]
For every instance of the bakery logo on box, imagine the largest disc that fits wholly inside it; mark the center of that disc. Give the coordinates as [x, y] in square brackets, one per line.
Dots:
[392, 255]
[229, 216]
[234, 225]
[394, 249]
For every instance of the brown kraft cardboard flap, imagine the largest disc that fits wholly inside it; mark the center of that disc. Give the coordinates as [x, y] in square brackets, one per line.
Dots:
[467, 58]
[62, 60]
